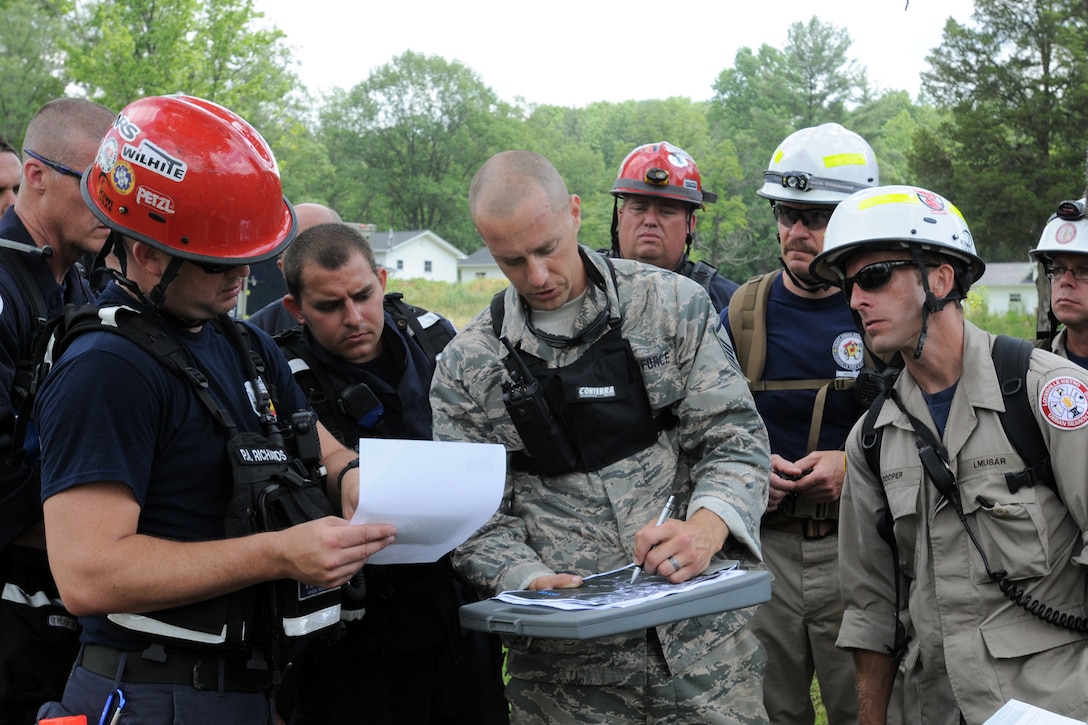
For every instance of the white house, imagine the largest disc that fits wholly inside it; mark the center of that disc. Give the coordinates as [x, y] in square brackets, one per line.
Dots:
[416, 254]
[479, 265]
[1009, 286]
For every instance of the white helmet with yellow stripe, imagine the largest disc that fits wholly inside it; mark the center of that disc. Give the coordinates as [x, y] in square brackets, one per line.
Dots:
[820, 165]
[896, 217]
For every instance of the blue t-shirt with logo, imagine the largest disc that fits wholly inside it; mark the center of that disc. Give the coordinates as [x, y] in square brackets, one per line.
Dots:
[807, 339]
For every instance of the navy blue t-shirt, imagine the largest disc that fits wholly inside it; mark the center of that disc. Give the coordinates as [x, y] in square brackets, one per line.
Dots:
[108, 411]
[807, 338]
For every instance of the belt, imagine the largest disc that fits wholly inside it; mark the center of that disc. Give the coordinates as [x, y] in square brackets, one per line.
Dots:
[202, 670]
[804, 527]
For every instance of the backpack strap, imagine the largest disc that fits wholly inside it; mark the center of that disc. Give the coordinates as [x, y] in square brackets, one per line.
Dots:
[1012, 357]
[748, 323]
[423, 326]
[316, 382]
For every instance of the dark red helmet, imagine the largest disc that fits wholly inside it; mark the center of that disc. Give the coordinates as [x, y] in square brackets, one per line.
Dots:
[661, 169]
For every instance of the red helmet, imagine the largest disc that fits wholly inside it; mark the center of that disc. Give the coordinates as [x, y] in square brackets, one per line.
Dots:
[661, 169]
[192, 179]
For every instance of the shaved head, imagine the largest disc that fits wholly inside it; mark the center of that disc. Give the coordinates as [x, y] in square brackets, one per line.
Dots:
[310, 215]
[508, 179]
[61, 126]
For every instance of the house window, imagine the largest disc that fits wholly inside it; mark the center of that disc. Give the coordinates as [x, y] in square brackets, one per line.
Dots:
[400, 265]
[481, 275]
[1014, 299]
[427, 265]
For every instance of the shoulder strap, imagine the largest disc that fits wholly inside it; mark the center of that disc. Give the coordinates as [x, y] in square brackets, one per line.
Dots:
[431, 338]
[313, 377]
[703, 273]
[748, 323]
[135, 327]
[1012, 357]
[498, 312]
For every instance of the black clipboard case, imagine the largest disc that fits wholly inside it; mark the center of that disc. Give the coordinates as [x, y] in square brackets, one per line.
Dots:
[492, 615]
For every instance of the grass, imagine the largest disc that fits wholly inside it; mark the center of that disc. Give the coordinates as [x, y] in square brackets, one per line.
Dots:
[457, 302]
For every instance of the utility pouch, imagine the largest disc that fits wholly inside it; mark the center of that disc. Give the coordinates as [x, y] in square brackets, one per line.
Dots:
[545, 441]
[272, 493]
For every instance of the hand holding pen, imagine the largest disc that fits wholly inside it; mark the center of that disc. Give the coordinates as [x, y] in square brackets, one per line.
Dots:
[665, 514]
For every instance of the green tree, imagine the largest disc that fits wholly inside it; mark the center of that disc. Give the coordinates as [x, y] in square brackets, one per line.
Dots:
[764, 97]
[30, 62]
[406, 142]
[1015, 86]
[214, 49]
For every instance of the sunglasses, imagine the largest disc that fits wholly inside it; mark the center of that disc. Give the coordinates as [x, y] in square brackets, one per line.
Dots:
[814, 219]
[874, 276]
[213, 268]
[56, 166]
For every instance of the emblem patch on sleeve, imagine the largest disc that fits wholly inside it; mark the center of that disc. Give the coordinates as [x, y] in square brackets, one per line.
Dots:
[1064, 403]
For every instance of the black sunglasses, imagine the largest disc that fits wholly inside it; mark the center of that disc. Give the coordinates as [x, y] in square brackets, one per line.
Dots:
[814, 219]
[874, 276]
[56, 166]
[215, 268]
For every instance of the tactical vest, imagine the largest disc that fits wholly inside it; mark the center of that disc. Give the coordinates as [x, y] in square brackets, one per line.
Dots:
[273, 489]
[343, 404]
[579, 417]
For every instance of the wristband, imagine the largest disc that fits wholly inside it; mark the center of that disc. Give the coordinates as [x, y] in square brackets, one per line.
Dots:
[340, 479]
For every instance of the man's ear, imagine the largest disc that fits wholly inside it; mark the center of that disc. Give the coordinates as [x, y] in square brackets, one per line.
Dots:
[942, 280]
[149, 259]
[293, 307]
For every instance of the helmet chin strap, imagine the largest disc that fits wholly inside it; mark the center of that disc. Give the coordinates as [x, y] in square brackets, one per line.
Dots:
[616, 228]
[932, 304]
[807, 287]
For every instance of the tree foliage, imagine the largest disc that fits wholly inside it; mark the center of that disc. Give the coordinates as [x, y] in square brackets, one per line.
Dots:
[1015, 86]
[406, 141]
[215, 49]
[31, 62]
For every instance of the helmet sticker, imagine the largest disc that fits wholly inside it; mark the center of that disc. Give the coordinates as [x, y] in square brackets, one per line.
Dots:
[1066, 233]
[105, 200]
[1064, 403]
[151, 157]
[126, 129]
[930, 199]
[107, 155]
[159, 202]
[849, 351]
[679, 160]
[122, 178]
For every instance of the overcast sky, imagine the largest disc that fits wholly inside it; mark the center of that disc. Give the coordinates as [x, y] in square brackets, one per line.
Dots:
[574, 53]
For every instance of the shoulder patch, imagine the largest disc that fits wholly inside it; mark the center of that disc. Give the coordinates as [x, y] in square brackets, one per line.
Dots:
[1064, 403]
[849, 351]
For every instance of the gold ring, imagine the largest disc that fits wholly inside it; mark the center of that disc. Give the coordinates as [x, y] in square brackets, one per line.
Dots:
[675, 565]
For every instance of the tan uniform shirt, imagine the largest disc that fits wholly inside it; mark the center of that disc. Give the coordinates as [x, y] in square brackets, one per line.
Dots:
[973, 649]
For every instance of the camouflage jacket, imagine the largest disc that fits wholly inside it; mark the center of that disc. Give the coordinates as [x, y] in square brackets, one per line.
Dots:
[586, 522]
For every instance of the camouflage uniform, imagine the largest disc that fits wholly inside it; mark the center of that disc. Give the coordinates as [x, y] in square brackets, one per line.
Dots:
[972, 649]
[709, 668]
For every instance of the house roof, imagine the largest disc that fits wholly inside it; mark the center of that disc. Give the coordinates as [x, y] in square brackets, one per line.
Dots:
[383, 242]
[1007, 274]
[481, 257]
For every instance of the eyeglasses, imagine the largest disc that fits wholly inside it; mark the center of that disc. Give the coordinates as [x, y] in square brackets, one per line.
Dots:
[1079, 273]
[814, 219]
[215, 268]
[874, 276]
[56, 166]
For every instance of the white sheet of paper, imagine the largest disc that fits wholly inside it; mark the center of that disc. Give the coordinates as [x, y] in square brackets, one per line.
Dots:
[437, 493]
[1015, 712]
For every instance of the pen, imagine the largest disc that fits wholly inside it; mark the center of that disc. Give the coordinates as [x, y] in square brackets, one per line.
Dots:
[665, 514]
